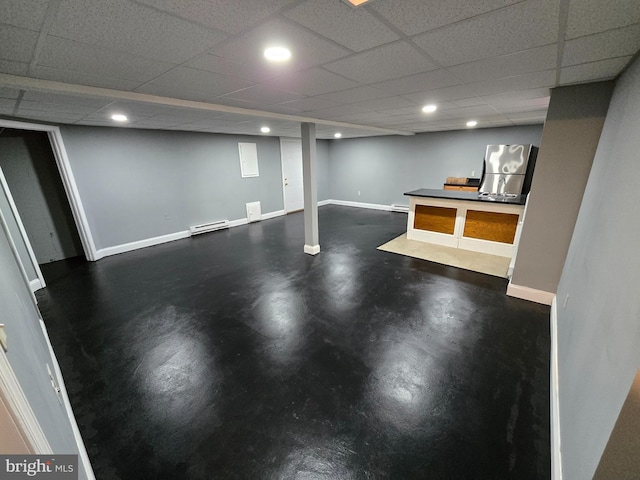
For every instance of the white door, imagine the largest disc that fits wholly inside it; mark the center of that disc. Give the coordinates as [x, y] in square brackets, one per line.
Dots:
[291, 151]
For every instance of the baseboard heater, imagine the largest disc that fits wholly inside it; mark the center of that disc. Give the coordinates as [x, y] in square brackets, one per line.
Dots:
[209, 227]
[399, 208]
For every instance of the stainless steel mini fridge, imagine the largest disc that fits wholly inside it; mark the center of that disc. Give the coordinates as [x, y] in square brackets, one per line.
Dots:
[508, 169]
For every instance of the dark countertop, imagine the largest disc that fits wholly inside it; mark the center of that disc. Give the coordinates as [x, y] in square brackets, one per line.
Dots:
[469, 196]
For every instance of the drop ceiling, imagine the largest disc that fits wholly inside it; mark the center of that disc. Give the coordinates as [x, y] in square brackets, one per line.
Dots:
[197, 65]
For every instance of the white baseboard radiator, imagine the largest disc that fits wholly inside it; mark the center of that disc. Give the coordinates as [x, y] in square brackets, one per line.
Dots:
[209, 227]
[399, 208]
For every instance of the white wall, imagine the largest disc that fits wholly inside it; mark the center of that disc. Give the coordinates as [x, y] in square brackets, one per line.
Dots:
[599, 330]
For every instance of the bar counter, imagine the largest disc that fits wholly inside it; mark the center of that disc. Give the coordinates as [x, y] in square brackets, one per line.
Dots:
[465, 220]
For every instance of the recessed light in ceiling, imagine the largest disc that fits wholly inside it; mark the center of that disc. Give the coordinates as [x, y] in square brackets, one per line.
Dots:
[471, 123]
[118, 117]
[265, 129]
[356, 3]
[337, 135]
[429, 108]
[277, 54]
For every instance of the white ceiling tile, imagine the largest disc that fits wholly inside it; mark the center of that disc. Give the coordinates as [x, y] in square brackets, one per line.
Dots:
[385, 104]
[208, 83]
[228, 16]
[519, 27]
[9, 93]
[593, 16]
[132, 28]
[614, 43]
[353, 95]
[545, 78]
[27, 14]
[419, 83]
[308, 104]
[172, 92]
[18, 44]
[140, 109]
[60, 99]
[417, 16]
[253, 72]
[383, 63]
[311, 82]
[81, 78]
[306, 48]
[355, 28]
[81, 57]
[8, 103]
[441, 95]
[330, 112]
[587, 72]
[58, 117]
[264, 95]
[533, 60]
[13, 68]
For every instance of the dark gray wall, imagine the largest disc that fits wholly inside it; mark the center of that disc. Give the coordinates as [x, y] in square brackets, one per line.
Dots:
[383, 168]
[569, 141]
[139, 184]
[14, 231]
[599, 330]
[28, 352]
[31, 172]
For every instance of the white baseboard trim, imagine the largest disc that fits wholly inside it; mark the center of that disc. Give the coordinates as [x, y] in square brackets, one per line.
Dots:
[35, 285]
[82, 451]
[150, 242]
[531, 294]
[277, 213]
[372, 206]
[312, 250]
[556, 451]
[322, 203]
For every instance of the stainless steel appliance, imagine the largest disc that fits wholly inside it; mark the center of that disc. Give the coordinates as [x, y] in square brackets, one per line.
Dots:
[508, 170]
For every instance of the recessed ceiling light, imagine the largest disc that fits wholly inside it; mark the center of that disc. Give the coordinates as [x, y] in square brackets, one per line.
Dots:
[429, 108]
[471, 123]
[277, 54]
[356, 3]
[265, 129]
[118, 117]
[337, 135]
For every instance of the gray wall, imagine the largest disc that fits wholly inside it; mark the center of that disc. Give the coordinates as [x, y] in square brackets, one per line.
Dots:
[569, 141]
[28, 352]
[139, 184]
[383, 168]
[31, 172]
[599, 330]
[322, 169]
[14, 231]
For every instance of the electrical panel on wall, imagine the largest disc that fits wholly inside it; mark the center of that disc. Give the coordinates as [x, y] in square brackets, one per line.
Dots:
[248, 159]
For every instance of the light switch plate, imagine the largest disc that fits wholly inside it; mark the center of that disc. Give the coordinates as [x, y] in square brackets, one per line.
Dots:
[3, 337]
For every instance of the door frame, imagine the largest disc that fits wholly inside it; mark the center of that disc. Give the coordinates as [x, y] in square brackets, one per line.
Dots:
[68, 181]
[33, 284]
[284, 192]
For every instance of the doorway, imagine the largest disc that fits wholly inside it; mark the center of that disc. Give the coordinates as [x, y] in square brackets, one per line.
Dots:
[292, 183]
[38, 202]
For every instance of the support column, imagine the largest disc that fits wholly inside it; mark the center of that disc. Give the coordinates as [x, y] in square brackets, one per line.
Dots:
[310, 184]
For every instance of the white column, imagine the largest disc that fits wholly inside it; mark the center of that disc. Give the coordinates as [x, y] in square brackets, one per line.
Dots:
[311, 245]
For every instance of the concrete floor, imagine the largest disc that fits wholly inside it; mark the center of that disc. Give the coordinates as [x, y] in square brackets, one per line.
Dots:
[235, 355]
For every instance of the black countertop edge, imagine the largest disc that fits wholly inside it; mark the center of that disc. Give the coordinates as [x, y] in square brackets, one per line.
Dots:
[469, 196]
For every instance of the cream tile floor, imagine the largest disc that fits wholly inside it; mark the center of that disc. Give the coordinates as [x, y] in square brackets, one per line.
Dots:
[477, 262]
